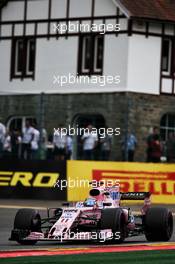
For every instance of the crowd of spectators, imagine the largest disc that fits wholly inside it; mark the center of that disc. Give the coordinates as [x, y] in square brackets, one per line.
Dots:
[20, 144]
[88, 142]
[27, 144]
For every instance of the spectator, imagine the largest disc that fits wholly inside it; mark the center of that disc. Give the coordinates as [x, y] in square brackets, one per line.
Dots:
[60, 144]
[89, 140]
[156, 149]
[149, 143]
[106, 143]
[7, 148]
[69, 147]
[129, 147]
[2, 137]
[35, 142]
[27, 137]
[170, 147]
[15, 143]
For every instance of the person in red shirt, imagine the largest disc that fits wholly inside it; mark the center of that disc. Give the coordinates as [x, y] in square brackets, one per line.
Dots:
[155, 149]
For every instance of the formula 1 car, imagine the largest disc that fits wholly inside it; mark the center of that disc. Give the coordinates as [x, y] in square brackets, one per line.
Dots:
[99, 218]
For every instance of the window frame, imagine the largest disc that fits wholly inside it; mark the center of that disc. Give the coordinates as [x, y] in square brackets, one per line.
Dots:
[96, 52]
[16, 56]
[84, 70]
[169, 70]
[20, 117]
[28, 57]
[25, 58]
[93, 60]
[167, 128]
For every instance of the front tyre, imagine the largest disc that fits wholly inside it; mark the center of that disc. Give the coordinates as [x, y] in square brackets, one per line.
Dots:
[26, 221]
[114, 219]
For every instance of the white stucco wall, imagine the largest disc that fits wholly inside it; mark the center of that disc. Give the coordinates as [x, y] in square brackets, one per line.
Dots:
[144, 64]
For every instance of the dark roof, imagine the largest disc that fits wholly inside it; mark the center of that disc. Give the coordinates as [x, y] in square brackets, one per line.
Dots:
[143, 9]
[151, 9]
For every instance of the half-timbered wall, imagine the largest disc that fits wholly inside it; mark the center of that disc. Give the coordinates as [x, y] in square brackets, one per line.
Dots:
[37, 17]
[134, 52]
[57, 54]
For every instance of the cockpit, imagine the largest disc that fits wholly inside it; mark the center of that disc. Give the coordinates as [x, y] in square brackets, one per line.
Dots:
[89, 202]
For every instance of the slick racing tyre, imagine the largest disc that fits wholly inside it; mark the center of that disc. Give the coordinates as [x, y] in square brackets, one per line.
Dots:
[158, 223]
[113, 218]
[27, 220]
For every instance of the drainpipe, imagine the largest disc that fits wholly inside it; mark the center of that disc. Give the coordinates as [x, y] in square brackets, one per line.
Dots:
[41, 124]
[127, 125]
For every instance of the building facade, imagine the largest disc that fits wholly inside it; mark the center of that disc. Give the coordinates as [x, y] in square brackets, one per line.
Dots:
[138, 49]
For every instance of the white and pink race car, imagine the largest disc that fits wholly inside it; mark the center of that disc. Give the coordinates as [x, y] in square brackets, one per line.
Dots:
[99, 218]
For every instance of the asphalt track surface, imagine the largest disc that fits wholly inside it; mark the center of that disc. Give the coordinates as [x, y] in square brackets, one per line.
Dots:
[8, 210]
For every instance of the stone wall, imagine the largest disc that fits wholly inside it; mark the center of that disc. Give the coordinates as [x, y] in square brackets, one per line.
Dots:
[137, 112]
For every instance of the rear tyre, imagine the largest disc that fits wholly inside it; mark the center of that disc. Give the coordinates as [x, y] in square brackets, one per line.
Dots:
[113, 218]
[27, 220]
[158, 224]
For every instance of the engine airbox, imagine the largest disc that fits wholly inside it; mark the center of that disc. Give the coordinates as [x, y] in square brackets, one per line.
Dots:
[94, 192]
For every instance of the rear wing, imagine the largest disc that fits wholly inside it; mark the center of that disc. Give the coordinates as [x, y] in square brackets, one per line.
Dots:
[135, 195]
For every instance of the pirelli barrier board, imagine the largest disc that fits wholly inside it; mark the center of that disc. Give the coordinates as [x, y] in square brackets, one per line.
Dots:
[159, 179]
[32, 179]
[36, 179]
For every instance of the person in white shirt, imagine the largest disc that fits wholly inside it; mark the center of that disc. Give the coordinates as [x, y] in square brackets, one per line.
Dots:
[60, 145]
[35, 142]
[105, 144]
[69, 147]
[89, 140]
[27, 137]
[2, 137]
[7, 147]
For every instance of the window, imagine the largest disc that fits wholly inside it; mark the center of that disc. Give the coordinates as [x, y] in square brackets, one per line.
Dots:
[90, 54]
[167, 125]
[166, 56]
[23, 58]
[18, 122]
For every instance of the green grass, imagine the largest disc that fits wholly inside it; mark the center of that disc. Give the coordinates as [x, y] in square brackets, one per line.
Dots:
[142, 257]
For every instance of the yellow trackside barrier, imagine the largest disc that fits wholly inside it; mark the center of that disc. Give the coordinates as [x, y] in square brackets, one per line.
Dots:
[159, 179]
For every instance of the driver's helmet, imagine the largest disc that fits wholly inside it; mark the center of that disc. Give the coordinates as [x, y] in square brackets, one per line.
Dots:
[89, 202]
